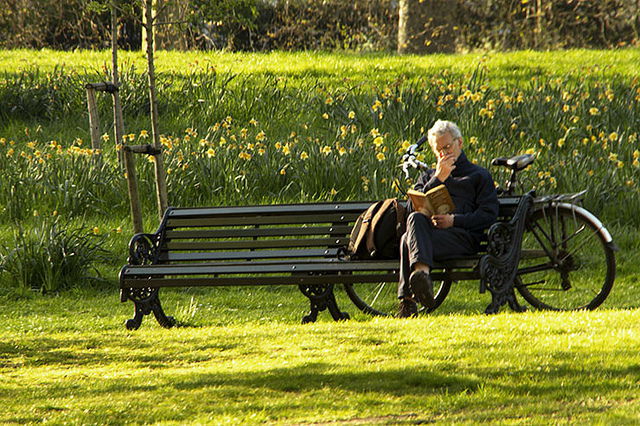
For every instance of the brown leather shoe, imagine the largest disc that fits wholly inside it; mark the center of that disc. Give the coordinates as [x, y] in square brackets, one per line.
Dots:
[422, 288]
[407, 309]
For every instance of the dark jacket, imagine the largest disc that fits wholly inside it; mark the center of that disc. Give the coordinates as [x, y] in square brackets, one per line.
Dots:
[473, 192]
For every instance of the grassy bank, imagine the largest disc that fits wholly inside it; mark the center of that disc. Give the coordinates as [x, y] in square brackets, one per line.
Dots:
[70, 360]
[261, 128]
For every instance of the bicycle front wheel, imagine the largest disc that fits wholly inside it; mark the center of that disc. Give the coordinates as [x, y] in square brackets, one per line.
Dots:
[567, 259]
[381, 299]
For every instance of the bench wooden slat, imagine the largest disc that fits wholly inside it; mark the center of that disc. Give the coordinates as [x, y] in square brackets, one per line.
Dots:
[246, 281]
[330, 265]
[256, 244]
[259, 232]
[262, 220]
[247, 255]
[279, 210]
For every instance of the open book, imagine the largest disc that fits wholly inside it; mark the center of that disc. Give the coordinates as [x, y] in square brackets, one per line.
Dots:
[436, 201]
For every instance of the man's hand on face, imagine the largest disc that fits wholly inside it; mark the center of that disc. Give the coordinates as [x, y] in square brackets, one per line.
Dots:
[446, 164]
[442, 221]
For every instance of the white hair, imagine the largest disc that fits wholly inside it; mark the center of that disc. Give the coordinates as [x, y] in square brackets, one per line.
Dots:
[440, 127]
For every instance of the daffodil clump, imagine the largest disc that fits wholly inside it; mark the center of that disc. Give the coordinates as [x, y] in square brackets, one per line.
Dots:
[313, 143]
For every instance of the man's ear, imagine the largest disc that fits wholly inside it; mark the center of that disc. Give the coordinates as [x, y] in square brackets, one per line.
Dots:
[461, 142]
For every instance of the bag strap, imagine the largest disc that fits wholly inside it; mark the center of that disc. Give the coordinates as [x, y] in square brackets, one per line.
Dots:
[384, 206]
[401, 213]
[366, 224]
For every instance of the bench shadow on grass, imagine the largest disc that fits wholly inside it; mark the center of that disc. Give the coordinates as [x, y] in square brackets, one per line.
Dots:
[311, 377]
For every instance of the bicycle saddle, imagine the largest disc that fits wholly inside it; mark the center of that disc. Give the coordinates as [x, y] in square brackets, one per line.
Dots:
[516, 163]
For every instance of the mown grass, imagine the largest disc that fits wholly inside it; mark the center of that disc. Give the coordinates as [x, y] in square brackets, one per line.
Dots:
[240, 355]
[243, 359]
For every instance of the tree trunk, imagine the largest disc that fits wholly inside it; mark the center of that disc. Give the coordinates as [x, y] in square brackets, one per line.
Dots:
[126, 158]
[426, 26]
[161, 183]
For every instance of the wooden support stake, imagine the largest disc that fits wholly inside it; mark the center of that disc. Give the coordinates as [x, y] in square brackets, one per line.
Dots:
[94, 121]
[132, 186]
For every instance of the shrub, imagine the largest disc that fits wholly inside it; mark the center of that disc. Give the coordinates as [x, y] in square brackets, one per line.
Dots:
[50, 257]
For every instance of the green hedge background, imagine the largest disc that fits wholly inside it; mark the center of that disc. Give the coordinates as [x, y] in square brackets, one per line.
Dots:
[362, 25]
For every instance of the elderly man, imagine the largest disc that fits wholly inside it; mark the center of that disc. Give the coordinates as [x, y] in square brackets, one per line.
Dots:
[441, 236]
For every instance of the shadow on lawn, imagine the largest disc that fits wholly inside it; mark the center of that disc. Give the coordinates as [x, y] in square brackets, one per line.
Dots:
[310, 377]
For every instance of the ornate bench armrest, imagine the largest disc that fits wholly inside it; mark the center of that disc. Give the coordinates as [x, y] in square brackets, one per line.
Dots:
[499, 266]
[143, 249]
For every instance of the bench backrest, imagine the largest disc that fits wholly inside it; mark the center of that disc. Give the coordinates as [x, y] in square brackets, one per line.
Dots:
[215, 234]
[257, 232]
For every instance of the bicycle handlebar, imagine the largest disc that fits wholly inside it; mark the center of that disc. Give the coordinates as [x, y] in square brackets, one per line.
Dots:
[409, 159]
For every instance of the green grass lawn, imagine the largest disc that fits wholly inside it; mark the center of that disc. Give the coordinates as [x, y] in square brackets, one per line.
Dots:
[242, 357]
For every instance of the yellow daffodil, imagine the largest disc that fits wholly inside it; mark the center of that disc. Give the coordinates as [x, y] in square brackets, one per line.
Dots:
[244, 155]
[105, 137]
[253, 122]
[351, 115]
[261, 136]
[144, 134]
[613, 136]
[594, 111]
[380, 156]
[326, 150]
[283, 171]
[328, 101]
[96, 230]
[304, 155]
[333, 191]
[211, 153]
[325, 116]
[378, 141]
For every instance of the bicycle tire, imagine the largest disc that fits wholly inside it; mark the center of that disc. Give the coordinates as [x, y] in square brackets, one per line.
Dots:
[381, 299]
[568, 261]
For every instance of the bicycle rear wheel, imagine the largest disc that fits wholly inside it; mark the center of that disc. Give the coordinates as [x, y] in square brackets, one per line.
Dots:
[381, 299]
[567, 260]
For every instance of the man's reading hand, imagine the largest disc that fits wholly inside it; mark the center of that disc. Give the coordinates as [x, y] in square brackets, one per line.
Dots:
[442, 221]
[446, 164]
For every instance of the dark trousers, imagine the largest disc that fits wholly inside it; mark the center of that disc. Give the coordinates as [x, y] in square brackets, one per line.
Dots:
[423, 243]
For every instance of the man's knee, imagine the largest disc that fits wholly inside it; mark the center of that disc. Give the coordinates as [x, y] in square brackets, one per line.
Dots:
[417, 220]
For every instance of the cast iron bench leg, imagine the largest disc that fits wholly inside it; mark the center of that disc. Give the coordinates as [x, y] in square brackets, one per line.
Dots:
[146, 301]
[321, 297]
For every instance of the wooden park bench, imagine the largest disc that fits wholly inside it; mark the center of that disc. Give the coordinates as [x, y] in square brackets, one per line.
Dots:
[296, 244]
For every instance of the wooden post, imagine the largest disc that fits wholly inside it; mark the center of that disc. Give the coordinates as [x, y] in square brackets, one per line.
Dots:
[94, 120]
[161, 183]
[132, 188]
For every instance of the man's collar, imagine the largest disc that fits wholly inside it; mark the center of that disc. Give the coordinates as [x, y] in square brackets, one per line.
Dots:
[462, 158]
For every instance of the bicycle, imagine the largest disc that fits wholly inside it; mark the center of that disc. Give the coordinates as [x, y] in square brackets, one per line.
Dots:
[567, 260]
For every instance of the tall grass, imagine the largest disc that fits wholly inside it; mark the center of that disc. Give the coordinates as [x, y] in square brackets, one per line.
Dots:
[296, 134]
[52, 256]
